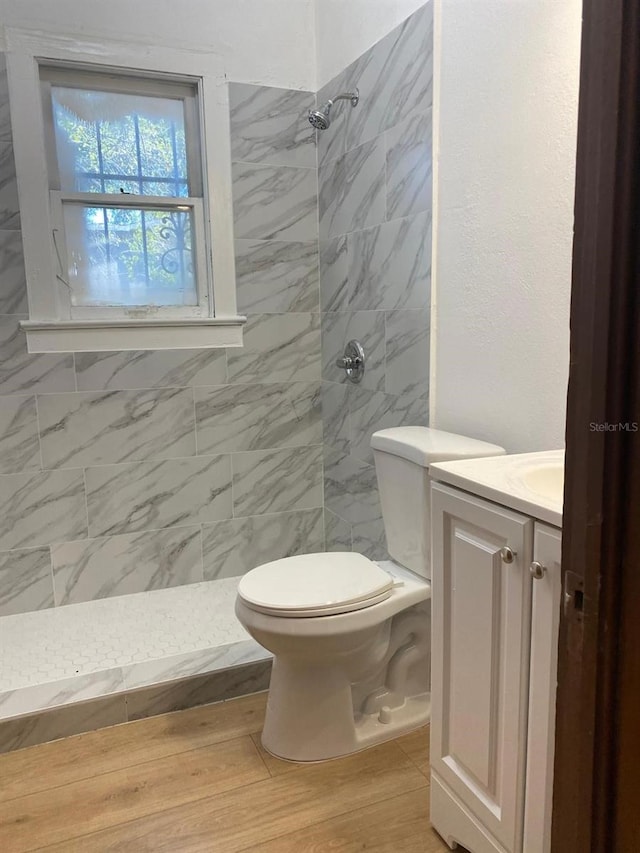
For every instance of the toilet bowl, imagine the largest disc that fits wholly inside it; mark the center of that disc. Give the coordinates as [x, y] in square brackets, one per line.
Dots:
[351, 637]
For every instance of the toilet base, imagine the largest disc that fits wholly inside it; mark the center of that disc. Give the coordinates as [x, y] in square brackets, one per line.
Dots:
[345, 682]
[372, 733]
[310, 715]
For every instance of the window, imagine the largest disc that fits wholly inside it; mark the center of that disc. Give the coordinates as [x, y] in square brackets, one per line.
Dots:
[126, 193]
[136, 226]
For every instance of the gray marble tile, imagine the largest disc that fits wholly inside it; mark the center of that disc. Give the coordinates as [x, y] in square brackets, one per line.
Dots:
[409, 166]
[366, 327]
[19, 444]
[150, 495]
[407, 352]
[9, 203]
[266, 481]
[124, 371]
[13, 281]
[5, 117]
[234, 547]
[258, 417]
[190, 664]
[275, 202]
[335, 415]
[390, 265]
[188, 693]
[116, 426]
[369, 539]
[273, 277]
[350, 488]
[41, 508]
[352, 190]
[65, 691]
[395, 78]
[119, 565]
[337, 532]
[62, 722]
[335, 293]
[373, 410]
[25, 582]
[269, 125]
[23, 373]
[277, 348]
[332, 142]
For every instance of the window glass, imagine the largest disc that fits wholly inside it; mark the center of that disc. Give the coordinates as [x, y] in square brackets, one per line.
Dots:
[110, 142]
[126, 256]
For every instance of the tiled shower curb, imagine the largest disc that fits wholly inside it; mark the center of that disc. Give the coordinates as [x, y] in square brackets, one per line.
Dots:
[122, 704]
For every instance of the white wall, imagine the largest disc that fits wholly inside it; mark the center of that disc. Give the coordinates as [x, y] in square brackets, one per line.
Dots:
[270, 42]
[505, 115]
[505, 130]
[346, 28]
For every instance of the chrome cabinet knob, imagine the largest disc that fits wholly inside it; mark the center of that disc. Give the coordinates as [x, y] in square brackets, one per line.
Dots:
[537, 570]
[352, 361]
[507, 555]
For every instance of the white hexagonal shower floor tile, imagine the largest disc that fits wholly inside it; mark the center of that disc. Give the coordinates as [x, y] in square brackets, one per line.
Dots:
[83, 651]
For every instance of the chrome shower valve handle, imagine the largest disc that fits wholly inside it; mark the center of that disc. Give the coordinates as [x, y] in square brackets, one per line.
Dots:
[352, 361]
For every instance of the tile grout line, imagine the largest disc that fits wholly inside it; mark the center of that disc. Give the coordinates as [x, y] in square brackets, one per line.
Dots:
[204, 524]
[49, 546]
[320, 356]
[75, 372]
[155, 460]
[266, 165]
[86, 504]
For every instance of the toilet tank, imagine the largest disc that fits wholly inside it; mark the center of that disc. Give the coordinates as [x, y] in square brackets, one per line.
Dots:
[402, 457]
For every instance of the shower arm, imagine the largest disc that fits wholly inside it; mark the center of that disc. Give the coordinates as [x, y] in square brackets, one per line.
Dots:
[354, 97]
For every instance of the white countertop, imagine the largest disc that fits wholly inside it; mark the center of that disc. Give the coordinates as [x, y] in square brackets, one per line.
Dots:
[503, 479]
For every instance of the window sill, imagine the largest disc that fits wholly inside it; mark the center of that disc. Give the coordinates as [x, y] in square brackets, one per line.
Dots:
[107, 335]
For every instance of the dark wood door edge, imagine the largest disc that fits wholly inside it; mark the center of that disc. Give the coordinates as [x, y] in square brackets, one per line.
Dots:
[599, 498]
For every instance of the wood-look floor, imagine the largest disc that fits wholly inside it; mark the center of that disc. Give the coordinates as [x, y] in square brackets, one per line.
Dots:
[199, 780]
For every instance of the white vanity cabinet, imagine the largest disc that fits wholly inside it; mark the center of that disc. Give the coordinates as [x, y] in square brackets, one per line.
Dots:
[545, 623]
[493, 674]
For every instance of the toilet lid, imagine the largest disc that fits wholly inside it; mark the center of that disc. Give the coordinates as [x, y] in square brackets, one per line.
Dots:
[315, 585]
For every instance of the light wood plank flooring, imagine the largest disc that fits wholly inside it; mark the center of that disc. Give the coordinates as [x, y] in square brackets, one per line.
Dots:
[199, 780]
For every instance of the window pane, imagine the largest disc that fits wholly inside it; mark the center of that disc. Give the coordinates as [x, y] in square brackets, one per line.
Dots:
[114, 141]
[128, 256]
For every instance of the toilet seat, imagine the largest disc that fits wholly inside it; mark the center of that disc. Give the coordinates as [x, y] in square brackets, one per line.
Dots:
[309, 585]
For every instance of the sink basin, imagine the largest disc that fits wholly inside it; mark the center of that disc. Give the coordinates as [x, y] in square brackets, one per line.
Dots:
[547, 481]
[530, 483]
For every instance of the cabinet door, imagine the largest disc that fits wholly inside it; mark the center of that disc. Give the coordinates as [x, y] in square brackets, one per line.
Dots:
[481, 606]
[545, 622]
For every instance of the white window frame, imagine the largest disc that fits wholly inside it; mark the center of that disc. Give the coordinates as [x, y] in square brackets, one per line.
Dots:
[52, 325]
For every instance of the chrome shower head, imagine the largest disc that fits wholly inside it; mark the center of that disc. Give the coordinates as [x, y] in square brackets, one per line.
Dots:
[321, 118]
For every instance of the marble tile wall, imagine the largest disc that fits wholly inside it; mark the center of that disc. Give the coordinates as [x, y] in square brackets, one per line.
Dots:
[127, 471]
[375, 204]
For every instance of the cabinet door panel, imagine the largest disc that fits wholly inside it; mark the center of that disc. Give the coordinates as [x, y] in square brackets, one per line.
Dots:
[480, 653]
[473, 633]
[545, 623]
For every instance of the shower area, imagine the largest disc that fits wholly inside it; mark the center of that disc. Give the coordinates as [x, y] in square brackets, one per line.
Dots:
[137, 487]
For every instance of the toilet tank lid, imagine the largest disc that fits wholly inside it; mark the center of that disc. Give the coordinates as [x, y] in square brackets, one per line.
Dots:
[423, 445]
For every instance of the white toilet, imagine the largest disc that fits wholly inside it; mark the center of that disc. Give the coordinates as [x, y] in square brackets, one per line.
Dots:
[350, 637]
